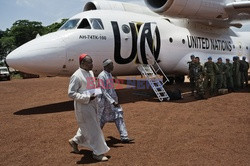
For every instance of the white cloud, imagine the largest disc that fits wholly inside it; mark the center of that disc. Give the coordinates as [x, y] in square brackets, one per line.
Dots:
[25, 3]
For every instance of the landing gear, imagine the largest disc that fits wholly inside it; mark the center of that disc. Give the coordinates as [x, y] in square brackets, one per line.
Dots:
[179, 79]
[170, 82]
[175, 79]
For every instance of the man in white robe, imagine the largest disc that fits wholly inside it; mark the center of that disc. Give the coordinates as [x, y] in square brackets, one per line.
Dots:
[89, 133]
[109, 110]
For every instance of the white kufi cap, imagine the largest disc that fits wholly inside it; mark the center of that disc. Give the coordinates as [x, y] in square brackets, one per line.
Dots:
[106, 62]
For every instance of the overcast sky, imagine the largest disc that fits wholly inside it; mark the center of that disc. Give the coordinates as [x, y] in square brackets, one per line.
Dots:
[45, 11]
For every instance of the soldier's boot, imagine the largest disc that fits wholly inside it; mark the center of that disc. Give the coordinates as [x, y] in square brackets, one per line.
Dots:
[203, 96]
[211, 92]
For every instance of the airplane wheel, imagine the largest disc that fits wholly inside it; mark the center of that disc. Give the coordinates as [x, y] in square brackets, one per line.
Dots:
[171, 81]
[179, 79]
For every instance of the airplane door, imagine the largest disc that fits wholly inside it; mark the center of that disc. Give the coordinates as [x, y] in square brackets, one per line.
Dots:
[71, 62]
[148, 43]
[67, 66]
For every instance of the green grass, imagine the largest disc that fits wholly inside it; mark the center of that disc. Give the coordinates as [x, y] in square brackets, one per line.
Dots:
[16, 76]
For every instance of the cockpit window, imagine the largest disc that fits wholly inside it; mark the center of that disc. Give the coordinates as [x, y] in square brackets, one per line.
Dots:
[96, 23]
[84, 24]
[70, 24]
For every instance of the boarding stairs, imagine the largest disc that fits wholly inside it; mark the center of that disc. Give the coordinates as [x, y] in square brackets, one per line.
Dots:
[151, 73]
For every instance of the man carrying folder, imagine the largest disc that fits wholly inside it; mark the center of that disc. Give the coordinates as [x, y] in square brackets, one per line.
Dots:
[89, 133]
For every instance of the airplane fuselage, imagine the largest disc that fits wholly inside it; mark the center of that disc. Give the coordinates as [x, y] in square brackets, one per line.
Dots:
[128, 39]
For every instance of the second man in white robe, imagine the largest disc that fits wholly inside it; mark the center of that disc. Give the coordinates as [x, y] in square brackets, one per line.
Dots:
[109, 110]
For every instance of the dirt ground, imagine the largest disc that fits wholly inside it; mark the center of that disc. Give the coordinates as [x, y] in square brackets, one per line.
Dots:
[37, 119]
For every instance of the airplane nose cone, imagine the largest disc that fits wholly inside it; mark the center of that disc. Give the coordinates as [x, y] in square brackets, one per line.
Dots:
[43, 55]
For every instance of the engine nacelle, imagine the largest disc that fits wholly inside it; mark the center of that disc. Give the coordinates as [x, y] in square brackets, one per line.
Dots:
[113, 5]
[192, 9]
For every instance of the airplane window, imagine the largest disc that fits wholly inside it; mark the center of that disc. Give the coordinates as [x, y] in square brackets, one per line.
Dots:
[247, 48]
[96, 23]
[171, 40]
[125, 28]
[183, 41]
[84, 24]
[70, 24]
[167, 19]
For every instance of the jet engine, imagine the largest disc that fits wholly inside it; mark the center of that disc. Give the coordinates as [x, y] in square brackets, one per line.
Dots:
[113, 5]
[191, 9]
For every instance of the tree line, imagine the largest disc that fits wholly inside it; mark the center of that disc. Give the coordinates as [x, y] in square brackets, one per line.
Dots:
[23, 31]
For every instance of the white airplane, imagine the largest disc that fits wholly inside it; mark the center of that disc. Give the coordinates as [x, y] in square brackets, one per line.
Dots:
[169, 30]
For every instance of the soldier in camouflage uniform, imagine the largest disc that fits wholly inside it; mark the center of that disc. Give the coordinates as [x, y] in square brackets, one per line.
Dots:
[220, 83]
[236, 73]
[210, 70]
[244, 72]
[229, 75]
[191, 74]
[198, 78]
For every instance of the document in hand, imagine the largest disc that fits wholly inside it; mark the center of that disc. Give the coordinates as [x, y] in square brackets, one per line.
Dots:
[118, 109]
[96, 91]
